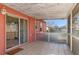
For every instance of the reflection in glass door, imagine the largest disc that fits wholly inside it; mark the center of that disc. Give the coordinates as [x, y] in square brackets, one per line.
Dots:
[23, 31]
[12, 31]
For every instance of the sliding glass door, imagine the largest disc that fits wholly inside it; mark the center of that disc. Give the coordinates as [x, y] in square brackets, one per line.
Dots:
[14, 27]
[23, 31]
[12, 31]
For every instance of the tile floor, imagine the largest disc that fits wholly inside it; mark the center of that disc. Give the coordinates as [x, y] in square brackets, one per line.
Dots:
[45, 48]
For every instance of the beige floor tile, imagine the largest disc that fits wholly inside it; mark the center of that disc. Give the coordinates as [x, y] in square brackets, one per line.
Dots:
[44, 48]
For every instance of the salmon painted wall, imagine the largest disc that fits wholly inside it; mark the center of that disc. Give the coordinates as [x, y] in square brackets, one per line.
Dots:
[44, 26]
[17, 13]
[2, 26]
[40, 34]
[38, 26]
[32, 30]
[2, 34]
[14, 12]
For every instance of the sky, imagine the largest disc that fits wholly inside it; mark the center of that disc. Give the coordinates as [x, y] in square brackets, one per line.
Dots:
[58, 22]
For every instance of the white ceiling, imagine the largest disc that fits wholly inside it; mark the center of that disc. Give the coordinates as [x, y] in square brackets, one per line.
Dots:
[45, 10]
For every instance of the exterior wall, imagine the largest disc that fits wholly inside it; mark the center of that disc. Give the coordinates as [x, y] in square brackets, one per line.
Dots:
[38, 26]
[14, 12]
[32, 30]
[31, 25]
[41, 35]
[2, 26]
[2, 34]
[44, 27]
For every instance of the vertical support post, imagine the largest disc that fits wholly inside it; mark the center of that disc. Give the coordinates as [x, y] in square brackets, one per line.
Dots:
[71, 31]
[48, 35]
[67, 30]
[5, 33]
[35, 29]
[19, 31]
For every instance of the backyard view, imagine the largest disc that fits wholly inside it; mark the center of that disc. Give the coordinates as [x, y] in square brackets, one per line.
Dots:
[57, 29]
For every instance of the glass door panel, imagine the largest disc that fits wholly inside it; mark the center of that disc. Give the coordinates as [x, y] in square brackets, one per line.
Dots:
[23, 31]
[12, 31]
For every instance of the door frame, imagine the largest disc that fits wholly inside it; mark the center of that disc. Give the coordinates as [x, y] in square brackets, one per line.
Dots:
[26, 29]
[19, 17]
